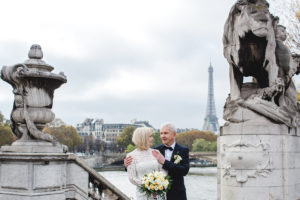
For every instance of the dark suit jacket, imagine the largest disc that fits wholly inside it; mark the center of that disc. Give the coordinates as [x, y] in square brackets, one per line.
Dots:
[177, 171]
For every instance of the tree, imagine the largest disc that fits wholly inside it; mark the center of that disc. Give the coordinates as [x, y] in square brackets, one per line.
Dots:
[66, 135]
[1, 118]
[203, 145]
[125, 138]
[289, 13]
[100, 145]
[187, 138]
[130, 148]
[213, 147]
[200, 145]
[88, 144]
[6, 135]
[157, 139]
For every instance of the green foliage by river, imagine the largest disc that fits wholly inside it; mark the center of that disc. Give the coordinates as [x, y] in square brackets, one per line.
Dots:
[195, 140]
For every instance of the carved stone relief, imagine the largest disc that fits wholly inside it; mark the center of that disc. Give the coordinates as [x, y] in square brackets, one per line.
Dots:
[243, 160]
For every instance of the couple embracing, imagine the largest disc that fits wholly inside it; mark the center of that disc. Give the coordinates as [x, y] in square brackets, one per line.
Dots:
[170, 158]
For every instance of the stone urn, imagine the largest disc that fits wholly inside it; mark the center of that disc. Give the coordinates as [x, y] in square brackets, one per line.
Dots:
[33, 87]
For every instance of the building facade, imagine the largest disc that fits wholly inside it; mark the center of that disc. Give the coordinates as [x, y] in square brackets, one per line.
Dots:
[106, 132]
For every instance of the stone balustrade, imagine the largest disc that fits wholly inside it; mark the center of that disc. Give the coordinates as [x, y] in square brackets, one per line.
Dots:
[99, 187]
[45, 176]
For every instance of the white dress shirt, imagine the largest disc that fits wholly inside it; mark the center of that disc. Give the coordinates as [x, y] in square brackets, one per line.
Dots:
[168, 152]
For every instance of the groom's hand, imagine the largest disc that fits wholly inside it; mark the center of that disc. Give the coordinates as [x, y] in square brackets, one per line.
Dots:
[127, 161]
[160, 158]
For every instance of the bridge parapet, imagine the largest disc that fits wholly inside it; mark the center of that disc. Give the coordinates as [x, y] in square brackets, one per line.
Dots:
[43, 176]
[99, 187]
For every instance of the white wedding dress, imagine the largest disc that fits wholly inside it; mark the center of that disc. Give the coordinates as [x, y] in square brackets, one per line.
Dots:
[143, 163]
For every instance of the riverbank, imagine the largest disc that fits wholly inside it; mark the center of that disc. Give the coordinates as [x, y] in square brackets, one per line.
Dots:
[206, 171]
[201, 171]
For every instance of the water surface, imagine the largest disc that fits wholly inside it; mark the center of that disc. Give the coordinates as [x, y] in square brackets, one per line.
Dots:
[200, 183]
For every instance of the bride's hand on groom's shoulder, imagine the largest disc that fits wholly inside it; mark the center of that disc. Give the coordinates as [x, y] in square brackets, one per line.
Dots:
[160, 158]
[127, 161]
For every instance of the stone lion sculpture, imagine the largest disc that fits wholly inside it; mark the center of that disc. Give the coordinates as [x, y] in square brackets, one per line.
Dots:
[253, 46]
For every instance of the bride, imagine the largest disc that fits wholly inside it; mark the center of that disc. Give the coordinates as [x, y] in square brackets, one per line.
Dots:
[143, 162]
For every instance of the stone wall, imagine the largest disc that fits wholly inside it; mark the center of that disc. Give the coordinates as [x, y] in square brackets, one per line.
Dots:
[33, 176]
[258, 159]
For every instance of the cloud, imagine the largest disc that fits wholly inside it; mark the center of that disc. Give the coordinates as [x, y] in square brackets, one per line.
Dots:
[123, 59]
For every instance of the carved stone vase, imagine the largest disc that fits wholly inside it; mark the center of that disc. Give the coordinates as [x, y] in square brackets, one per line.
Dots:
[33, 87]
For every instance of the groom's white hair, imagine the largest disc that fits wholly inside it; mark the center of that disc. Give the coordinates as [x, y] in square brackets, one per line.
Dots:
[170, 126]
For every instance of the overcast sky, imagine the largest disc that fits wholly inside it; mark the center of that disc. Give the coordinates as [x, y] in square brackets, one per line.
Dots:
[124, 59]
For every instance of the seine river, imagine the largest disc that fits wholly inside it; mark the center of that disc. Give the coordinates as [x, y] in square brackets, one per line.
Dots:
[200, 183]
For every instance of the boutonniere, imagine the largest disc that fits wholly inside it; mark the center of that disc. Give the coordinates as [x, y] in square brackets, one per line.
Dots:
[177, 159]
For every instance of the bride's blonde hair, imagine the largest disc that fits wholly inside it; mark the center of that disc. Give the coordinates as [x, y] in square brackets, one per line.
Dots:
[141, 137]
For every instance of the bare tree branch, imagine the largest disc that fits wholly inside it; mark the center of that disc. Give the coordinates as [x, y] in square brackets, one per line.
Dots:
[289, 13]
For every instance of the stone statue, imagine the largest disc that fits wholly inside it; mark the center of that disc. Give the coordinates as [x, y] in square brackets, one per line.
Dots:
[253, 46]
[259, 142]
[33, 87]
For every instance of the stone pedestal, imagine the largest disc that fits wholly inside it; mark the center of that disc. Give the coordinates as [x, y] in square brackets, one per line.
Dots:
[41, 176]
[258, 159]
[32, 146]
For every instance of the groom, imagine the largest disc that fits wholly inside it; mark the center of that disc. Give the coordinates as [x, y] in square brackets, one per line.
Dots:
[177, 168]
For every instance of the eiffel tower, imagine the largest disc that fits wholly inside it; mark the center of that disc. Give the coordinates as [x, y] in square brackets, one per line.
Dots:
[211, 121]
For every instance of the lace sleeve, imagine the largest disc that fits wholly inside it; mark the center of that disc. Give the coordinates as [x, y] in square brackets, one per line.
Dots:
[160, 167]
[132, 174]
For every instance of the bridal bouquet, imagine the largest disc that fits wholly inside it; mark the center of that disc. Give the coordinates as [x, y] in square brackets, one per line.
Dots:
[156, 184]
